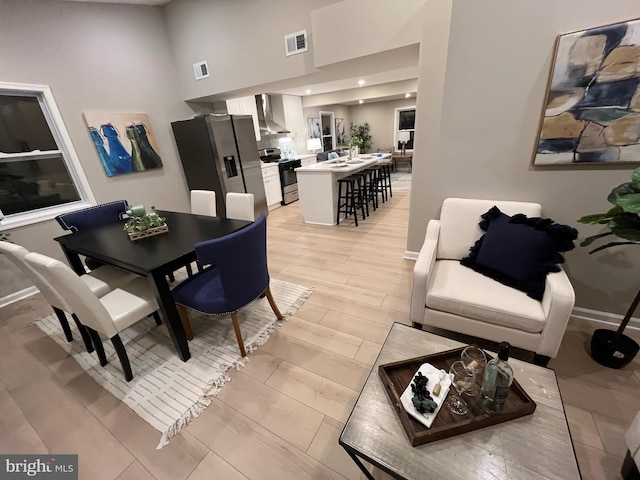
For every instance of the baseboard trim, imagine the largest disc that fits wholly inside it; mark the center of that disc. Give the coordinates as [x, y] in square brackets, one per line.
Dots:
[14, 297]
[603, 318]
[411, 255]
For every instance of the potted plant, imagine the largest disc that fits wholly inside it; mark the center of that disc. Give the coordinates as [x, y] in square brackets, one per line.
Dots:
[360, 136]
[609, 348]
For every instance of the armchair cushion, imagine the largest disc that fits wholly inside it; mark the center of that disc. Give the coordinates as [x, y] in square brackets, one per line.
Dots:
[519, 251]
[461, 291]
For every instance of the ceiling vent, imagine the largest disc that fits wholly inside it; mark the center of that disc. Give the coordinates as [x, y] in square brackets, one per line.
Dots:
[201, 69]
[296, 43]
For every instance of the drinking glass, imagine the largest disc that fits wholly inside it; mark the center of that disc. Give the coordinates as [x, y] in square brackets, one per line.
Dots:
[462, 380]
[475, 360]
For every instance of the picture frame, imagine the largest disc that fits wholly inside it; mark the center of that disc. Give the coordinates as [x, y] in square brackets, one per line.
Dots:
[340, 134]
[315, 130]
[591, 111]
[125, 142]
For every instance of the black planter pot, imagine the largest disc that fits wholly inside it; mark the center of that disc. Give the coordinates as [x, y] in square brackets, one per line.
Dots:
[612, 350]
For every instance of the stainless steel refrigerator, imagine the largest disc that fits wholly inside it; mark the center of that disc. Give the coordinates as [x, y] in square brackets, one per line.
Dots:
[220, 153]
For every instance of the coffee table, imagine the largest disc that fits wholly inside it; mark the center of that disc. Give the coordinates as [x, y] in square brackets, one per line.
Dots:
[532, 447]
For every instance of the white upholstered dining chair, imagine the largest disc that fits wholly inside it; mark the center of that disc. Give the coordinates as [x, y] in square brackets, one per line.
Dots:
[203, 202]
[109, 314]
[240, 206]
[100, 281]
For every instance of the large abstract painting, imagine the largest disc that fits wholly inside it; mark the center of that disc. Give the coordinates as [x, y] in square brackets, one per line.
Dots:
[124, 141]
[592, 110]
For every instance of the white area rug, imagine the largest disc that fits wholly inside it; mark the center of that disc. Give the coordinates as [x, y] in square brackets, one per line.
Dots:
[165, 391]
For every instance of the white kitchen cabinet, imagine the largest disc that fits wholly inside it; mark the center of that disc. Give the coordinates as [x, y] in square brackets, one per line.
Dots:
[272, 189]
[245, 106]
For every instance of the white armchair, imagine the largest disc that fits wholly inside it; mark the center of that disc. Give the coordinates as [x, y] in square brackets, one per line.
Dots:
[453, 297]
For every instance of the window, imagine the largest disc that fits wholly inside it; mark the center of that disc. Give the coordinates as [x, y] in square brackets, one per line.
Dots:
[40, 175]
[405, 121]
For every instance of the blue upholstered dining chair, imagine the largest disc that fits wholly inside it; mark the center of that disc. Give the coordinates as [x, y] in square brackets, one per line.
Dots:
[93, 217]
[236, 276]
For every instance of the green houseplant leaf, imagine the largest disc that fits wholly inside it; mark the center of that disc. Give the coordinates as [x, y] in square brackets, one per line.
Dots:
[622, 221]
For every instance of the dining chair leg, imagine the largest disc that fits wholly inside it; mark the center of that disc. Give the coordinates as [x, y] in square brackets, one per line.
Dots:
[184, 318]
[97, 343]
[157, 318]
[236, 327]
[83, 333]
[272, 302]
[122, 355]
[62, 318]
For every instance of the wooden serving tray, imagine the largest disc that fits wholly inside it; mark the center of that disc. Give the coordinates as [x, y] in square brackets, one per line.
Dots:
[398, 375]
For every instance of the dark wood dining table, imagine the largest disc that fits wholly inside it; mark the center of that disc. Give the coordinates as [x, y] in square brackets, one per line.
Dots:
[154, 257]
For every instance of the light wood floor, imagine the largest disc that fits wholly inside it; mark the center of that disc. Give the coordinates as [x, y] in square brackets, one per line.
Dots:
[281, 415]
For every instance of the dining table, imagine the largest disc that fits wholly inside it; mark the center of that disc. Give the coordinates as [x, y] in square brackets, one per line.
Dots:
[155, 256]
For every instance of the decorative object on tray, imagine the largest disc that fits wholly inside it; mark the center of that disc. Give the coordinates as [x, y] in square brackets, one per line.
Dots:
[425, 428]
[463, 379]
[498, 377]
[434, 376]
[474, 359]
[142, 224]
[590, 113]
[608, 348]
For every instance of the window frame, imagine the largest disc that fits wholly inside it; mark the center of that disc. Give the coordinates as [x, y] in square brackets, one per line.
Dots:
[396, 126]
[56, 124]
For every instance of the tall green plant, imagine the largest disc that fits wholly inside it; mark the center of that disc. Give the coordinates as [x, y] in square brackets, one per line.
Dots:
[360, 136]
[623, 220]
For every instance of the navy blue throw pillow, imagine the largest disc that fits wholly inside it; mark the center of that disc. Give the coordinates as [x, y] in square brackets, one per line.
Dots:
[519, 251]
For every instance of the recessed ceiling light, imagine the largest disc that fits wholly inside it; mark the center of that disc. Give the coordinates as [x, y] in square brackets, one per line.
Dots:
[407, 95]
[360, 102]
[307, 91]
[360, 82]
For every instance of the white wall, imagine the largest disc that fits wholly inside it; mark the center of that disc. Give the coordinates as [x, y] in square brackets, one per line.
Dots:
[477, 127]
[381, 117]
[97, 58]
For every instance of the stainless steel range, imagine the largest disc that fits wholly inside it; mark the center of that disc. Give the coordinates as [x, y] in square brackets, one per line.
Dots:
[288, 179]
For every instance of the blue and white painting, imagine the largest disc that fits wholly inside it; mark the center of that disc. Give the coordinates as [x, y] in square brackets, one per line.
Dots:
[592, 109]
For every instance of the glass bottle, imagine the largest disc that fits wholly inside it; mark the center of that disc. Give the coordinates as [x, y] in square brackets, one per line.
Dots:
[136, 157]
[498, 377]
[117, 152]
[150, 158]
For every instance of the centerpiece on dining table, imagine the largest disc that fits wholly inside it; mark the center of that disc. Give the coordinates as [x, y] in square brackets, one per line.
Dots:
[141, 224]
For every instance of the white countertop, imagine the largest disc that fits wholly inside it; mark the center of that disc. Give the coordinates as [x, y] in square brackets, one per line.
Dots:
[339, 165]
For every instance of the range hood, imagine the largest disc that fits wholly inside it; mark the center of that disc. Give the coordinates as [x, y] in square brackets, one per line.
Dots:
[265, 117]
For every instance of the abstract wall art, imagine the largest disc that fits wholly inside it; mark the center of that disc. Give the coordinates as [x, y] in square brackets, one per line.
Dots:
[124, 141]
[340, 135]
[315, 131]
[592, 108]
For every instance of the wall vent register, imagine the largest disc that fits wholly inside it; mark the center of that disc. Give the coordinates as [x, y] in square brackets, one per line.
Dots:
[201, 70]
[296, 43]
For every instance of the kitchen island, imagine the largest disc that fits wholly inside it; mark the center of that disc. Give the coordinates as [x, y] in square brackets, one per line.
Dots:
[318, 186]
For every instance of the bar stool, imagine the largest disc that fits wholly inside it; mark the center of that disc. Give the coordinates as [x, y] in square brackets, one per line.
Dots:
[374, 174]
[350, 197]
[384, 187]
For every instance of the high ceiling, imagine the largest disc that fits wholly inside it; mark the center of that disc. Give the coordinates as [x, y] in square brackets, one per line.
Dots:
[331, 88]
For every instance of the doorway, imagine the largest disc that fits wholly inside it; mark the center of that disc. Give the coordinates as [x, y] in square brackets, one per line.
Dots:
[328, 131]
